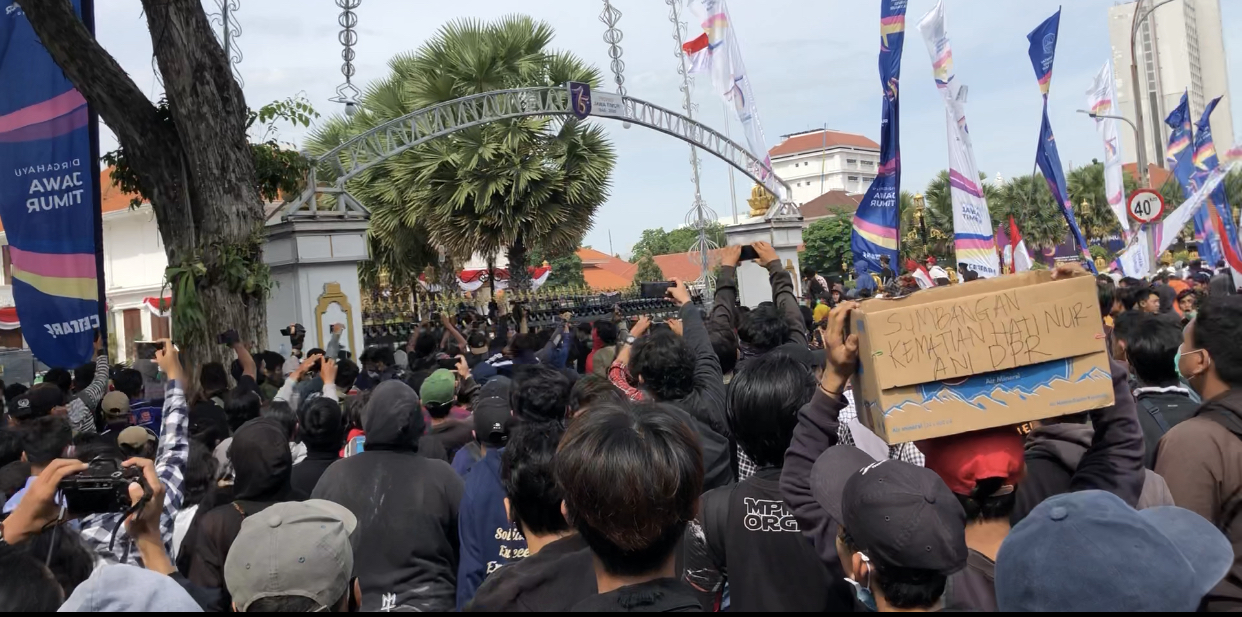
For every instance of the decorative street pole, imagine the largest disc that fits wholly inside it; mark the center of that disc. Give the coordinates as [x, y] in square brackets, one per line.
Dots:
[230, 29]
[699, 215]
[611, 17]
[347, 93]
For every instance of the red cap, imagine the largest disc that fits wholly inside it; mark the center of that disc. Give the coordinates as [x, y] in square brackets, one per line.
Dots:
[962, 460]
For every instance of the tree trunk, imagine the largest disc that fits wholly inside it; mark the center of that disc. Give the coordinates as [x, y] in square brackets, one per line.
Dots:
[197, 171]
[519, 278]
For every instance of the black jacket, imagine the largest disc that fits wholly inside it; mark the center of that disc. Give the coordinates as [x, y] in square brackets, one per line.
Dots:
[307, 473]
[665, 595]
[552, 580]
[724, 314]
[1113, 462]
[745, 535]
[706, 404]
[1160, 409]
[406, 505]
[262, 465]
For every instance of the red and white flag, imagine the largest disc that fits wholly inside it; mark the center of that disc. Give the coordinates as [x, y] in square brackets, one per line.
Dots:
[1021, 258]
[919, 273]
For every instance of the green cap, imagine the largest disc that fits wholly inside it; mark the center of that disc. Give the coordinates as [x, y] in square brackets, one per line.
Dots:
[439, 388]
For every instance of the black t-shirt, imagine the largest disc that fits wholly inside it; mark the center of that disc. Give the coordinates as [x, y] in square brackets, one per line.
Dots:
[553, 580]
[208, 423]
[753, 538]
[664, 595]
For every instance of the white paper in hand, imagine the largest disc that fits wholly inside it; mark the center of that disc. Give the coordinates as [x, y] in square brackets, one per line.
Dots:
[868, 441]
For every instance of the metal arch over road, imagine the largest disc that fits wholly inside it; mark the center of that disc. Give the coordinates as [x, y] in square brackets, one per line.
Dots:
[364, 151]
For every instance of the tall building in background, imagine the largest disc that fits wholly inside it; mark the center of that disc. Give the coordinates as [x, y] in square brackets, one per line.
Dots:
[1180, 47]
[814, 163]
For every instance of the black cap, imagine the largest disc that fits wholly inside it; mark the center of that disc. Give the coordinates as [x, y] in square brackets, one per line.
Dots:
[898, 514]
[36, 402]
[493, 421]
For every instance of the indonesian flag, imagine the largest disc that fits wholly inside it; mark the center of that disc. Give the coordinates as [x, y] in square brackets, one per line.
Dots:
[1021, 258]
[919, 273]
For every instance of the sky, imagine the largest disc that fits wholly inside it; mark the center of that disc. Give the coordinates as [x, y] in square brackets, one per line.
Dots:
[812, 63]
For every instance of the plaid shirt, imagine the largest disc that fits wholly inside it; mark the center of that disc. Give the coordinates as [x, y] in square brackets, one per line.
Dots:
[82, 407]
[905, 452]
[170, 462]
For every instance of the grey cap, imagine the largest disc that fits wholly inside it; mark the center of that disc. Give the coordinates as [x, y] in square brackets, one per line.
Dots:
[300, 549]
[123, 588]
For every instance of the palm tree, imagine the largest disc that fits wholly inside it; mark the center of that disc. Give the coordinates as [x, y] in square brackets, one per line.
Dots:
[509, 186]
[1030, 203]
[1087, 192]
[937, 216]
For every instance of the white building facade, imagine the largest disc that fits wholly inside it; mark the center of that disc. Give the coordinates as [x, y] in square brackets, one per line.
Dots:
[816, 162]
[1181, 47]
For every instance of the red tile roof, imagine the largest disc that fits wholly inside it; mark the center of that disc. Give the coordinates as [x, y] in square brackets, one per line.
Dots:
[114, 199]
[678, 265]
[605, 272]
[828, 203]
[1158, 174]
[820, 140]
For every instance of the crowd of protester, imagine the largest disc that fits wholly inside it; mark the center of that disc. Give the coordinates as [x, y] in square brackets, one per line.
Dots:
[704, 463]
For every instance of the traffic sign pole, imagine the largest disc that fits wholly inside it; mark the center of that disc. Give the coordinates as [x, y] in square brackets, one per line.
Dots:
[1146, 207]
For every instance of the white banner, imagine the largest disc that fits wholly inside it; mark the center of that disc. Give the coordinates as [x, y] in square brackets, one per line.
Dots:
[1100, 100]
[713, 49]
[972, 225]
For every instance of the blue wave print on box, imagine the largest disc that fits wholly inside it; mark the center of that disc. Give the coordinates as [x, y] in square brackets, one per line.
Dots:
[980, 390]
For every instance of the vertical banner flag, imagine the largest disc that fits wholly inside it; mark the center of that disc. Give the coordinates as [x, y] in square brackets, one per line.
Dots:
[1100, 100]
[1043, 51]
[1221, 215]
[47, 196]
[972, 225]
[715, 51]
[1167, 230]
[1180, 155]
[878, 218]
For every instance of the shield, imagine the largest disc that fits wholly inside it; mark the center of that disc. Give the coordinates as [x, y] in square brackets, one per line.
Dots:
[580, 99]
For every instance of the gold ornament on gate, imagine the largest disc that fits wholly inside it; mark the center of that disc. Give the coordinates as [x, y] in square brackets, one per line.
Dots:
[761, 200]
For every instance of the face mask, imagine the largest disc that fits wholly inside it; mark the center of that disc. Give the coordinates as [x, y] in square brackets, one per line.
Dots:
[1177, 363]
[863, 594]
[373, 374]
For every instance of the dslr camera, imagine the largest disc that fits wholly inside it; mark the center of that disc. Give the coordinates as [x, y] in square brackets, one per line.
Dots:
[296, 334]
[103, 487]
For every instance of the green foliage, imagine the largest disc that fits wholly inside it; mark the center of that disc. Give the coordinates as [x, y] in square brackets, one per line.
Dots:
[237, 267]
[566, 269]
[1087, 192]
[1099, 252]
[280, 170]
[489, 188]
[1182, 256]
[656, 242]
[827, 243]
[648, 271]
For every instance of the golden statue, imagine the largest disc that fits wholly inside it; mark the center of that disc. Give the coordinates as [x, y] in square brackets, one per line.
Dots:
[761, 200]
[1100, 264]
[1194, 256]
[1167, 258]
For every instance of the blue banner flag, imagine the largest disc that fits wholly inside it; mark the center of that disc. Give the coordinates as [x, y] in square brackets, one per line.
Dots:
[48, 197]
[878, 218]
[1205, 160]
[1043, 51]
[1180, 156]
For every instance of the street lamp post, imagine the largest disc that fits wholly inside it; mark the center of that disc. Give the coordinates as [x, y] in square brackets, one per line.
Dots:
[1139, 129]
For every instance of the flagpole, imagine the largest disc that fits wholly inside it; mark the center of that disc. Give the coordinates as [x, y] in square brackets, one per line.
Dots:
[732, 188]
[698, 212]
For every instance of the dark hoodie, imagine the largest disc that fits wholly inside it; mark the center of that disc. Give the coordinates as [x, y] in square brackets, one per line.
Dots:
[406, 505]
[1052, 455]
[262, 465]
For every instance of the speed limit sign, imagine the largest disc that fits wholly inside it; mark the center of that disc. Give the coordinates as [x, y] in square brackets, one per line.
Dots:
[1145, 205]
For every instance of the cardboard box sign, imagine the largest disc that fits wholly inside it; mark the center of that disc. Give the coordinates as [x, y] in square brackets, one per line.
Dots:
[989, 353]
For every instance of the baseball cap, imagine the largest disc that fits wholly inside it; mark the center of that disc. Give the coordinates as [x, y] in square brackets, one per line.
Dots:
[1089, 551]
[898, 514]
[962, 460]
[477, 342]
[493, 421]
[135, 437]
[115, 405]
[302, 549]
[439, 388]
[36, 402]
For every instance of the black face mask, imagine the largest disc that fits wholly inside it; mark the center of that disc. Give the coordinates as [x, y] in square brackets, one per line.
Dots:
[355, 601]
